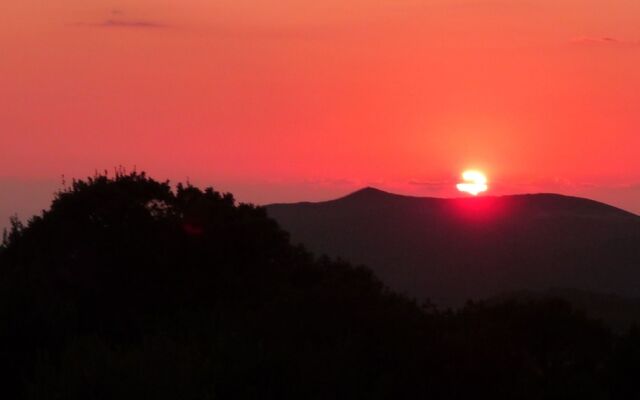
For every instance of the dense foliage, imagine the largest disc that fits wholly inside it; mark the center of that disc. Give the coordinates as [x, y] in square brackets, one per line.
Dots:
[128, 289]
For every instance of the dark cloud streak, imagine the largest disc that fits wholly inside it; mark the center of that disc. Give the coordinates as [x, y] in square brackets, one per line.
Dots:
[117, 19]
[432, 185]
[604, 41]
[120, 23]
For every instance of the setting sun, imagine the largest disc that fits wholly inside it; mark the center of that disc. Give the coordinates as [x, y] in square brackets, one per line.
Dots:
[474, 182]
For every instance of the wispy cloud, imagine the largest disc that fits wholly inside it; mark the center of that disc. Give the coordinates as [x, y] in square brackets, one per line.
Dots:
[118, 19]
[124, 23]
[330, 181]
[432, 185]
[603, 41]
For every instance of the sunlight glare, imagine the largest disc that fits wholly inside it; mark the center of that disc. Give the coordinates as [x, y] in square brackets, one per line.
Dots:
[474, 182]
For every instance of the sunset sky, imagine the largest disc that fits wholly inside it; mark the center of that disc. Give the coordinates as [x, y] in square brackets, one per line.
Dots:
[285, 100]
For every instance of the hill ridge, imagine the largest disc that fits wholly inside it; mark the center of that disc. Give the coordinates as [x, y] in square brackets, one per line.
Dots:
[370, 193]
[459, 248]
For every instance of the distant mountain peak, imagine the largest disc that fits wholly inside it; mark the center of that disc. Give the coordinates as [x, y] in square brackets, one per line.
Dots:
[368, 191]
[368, 194]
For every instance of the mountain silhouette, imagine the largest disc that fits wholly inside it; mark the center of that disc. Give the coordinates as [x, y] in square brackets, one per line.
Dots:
[452, 250]
[129, 288]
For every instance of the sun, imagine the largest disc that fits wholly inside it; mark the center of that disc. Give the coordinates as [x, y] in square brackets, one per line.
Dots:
[474, 182]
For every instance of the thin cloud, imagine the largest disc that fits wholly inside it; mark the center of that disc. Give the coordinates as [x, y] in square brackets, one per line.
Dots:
[116, 19]
[603, 41]
[121, 23]
[330, 181]
[432, 185]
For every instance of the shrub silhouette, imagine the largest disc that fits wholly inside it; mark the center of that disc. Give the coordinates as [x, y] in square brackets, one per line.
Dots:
[127, 288]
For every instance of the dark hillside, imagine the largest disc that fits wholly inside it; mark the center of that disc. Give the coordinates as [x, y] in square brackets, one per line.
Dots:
[454, 249]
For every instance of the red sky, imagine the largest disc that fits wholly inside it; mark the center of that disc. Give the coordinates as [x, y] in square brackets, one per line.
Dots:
[283, 100]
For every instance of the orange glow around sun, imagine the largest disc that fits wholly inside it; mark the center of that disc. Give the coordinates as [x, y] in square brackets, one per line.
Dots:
[474, 182]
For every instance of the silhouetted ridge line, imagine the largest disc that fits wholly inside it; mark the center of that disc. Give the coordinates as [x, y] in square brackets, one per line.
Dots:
[368, 192]
[533, 202]
[474, 247]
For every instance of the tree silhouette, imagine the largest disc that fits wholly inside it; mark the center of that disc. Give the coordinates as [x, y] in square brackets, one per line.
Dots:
[129, 288]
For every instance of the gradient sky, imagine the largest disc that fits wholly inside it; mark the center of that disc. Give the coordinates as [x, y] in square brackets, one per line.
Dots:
[284, 100]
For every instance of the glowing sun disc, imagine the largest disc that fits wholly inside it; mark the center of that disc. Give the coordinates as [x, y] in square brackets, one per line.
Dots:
[474, 182]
